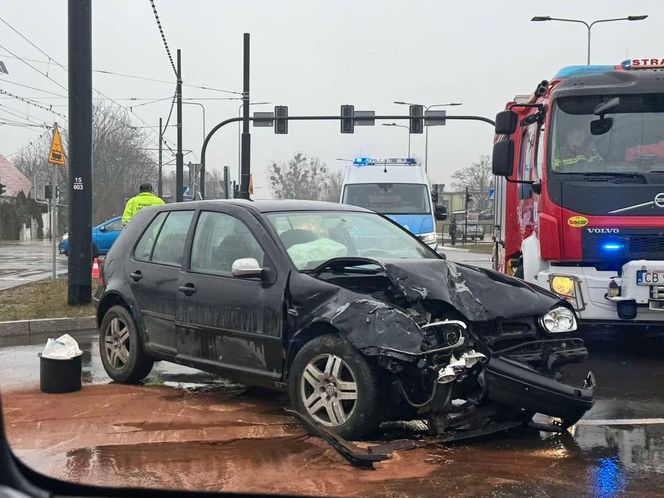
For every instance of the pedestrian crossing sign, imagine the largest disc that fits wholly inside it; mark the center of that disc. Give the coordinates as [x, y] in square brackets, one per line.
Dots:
[56, 155]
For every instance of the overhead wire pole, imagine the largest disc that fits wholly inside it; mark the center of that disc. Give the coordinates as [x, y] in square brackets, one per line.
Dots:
[179, 160]
[80, 152]
[245, 171]
[160, 180]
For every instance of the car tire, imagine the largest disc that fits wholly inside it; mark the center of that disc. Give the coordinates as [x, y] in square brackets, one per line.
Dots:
[351, 409]
[121, 348]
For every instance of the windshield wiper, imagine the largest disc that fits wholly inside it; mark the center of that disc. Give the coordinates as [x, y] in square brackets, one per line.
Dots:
[608, 176]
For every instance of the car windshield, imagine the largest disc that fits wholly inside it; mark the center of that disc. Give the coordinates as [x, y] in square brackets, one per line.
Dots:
[313, 237]
[629, 139]
[389, 198]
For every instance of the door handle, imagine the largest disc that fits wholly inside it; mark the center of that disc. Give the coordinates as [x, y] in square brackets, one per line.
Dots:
[187, 289]
[136, 276]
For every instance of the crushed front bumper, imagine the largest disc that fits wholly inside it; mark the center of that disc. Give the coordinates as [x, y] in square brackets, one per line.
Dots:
[517, 385]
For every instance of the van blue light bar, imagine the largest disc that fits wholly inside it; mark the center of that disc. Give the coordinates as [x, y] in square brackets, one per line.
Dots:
[367, 161]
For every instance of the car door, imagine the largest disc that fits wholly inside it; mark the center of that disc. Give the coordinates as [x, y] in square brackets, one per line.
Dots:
[226, 322]
[108, 234]
[153, 276]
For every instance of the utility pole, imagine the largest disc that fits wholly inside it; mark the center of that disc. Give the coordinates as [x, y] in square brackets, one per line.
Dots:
[465, 221]
[179, 160]
[160, 181]
[80, 152]
[245, 171]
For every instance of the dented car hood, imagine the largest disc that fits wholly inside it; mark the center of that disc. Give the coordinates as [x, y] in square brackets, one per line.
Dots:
[477, 293]
[375, 325]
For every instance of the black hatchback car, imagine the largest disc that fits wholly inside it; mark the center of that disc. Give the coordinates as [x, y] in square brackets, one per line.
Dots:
[354, 316]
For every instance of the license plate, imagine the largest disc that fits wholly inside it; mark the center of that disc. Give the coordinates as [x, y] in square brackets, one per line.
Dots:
[644, 277]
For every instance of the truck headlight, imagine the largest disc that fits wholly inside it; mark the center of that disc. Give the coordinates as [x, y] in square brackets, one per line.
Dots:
[567, 287]
[428, 238]
[559, 320]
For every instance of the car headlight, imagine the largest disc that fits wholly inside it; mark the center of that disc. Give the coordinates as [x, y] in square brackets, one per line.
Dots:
[559, 320]
[428, 238]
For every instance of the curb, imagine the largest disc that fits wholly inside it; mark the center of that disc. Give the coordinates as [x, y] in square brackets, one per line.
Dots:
[46, 326]
[453, 249]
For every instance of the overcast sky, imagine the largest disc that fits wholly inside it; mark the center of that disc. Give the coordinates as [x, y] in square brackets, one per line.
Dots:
[315, 55]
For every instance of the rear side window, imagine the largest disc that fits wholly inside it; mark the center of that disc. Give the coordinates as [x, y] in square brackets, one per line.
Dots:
[144, 247]
[169, 248]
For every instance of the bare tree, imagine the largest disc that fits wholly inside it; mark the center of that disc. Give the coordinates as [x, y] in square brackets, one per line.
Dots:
[334, 185]
[119, 163]
[300, 178]
[478, 178]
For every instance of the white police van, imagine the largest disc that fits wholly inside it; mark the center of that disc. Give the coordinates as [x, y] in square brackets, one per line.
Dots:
[395, 187]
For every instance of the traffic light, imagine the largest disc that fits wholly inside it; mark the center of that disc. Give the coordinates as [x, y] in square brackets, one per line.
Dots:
[468, 197]
[48, 192]
[347, 119]
[416, 119]
[280, 125]
[3, 188]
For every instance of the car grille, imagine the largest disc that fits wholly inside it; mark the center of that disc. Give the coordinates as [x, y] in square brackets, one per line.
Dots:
[646, 244]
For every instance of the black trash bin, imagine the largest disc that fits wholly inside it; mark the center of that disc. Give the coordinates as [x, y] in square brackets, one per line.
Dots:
[59, 376]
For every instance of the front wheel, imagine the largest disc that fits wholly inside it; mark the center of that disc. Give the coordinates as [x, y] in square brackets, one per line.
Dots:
[121, 349]
[332, 384]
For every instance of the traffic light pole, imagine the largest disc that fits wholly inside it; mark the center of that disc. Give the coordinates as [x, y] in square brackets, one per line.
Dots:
[160, 180]
[465, 221]
[215, 129]
[80, 152]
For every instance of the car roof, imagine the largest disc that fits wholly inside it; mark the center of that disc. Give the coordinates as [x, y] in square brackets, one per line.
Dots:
[272, 205]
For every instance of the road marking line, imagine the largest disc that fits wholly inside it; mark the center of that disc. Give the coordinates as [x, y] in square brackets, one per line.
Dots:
[622, 421]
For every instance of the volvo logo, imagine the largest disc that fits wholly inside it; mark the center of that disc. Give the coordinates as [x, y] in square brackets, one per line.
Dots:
[658, 201]
[603, 230]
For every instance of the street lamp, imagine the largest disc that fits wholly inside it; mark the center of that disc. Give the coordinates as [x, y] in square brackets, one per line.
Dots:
[203, 108]
[239, 134]
[587, 25]
[426, 133]
[401, 126]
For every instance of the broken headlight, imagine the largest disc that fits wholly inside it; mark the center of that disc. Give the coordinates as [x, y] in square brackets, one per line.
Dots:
[559, 320]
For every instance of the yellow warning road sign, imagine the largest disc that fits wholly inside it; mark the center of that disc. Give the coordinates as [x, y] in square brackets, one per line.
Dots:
[56, 154]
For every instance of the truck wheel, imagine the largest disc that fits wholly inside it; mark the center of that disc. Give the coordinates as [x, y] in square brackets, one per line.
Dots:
[334, 385]
[121, 349]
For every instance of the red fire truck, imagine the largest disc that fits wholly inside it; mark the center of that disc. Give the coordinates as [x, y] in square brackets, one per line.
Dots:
[580, 190]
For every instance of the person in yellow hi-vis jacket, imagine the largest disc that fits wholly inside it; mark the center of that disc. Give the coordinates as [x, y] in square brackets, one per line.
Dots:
[135, 204]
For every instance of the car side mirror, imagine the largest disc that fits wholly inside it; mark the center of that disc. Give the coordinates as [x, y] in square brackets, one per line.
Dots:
[102, 229]
[246, 268]
[440, 213]
[503, 158]
[506, 122]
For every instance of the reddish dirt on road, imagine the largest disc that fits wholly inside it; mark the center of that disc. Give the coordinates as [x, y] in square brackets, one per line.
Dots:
[231, 440]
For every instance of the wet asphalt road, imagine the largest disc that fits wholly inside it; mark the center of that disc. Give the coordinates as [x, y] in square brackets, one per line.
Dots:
[23, 262]
[616, 450]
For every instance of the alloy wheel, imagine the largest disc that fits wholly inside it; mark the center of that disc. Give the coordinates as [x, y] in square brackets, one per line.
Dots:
[329, 390]
[117, 343]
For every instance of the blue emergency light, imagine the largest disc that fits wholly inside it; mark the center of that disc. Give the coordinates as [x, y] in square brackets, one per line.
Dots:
[612, 246]
[569, 71]
[363, 161]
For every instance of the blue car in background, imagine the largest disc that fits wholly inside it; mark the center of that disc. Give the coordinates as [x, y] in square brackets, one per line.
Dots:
[103, 236]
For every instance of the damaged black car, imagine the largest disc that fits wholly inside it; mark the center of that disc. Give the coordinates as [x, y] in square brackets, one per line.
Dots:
[355, 317]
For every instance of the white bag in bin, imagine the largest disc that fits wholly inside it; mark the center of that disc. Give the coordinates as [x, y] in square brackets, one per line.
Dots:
[63, 348]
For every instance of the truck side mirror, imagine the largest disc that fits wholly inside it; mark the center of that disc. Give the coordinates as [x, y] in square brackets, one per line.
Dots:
[506, 122]
[440, 213]
[503, 158]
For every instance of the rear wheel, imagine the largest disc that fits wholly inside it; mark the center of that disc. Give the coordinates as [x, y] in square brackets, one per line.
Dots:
[121, 348]
[335, 386]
